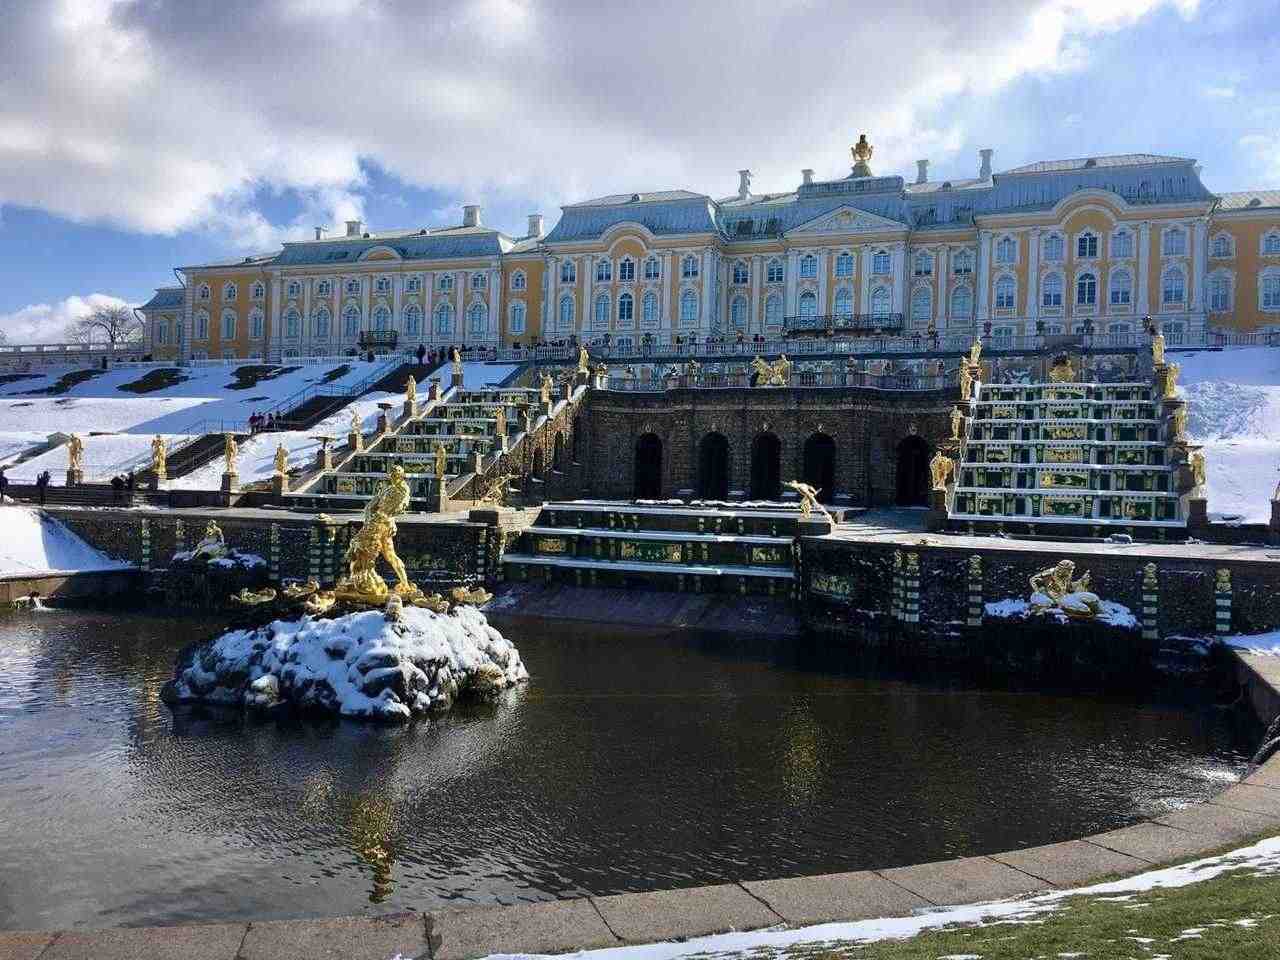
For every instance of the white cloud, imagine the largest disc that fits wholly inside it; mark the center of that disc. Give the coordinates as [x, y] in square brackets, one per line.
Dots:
[164, 117]
[48, 322]
[1220, 93]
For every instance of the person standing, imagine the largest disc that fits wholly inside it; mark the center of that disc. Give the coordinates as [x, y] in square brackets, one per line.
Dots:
[42, 482]
[422, 354]
[4, 484]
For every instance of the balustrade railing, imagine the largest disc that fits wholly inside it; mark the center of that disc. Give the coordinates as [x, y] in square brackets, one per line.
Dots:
[902, 381]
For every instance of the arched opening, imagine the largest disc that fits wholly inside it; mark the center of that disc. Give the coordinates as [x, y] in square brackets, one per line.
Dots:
[557, 453]
[820, 465]
[766, 467]
[713, 467]
[648, 483]
[913, 472]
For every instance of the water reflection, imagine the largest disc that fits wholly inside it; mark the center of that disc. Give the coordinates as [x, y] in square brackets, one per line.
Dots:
[634, 760]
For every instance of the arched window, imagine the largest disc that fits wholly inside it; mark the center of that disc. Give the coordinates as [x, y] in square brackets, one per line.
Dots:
[881, 302]
[353, 287]
[604, 271]
[844, 264]
[808, 304]
[1271, 243]
[1173, 287]
[412, 284]
[413, 320]
[921, 306]
[292, 324]
[478, 319]
[566, 312]
[1087, 246]
[515, 321]
[381, 317]
[444, 318]
[962, 303]
[1121, 294]
[1051, 295]
[323, 289]
[1006, 294]
[258, 291]
[203, 292]
[518, 281]
[600, 321]
[689, 267]
[962, 263]
[738, 313]
[1053, 248]
[1219, 293]
[844, 302]
[652, 269]
[740, 272]
[808, 267]
[1006, 250]
[1269, 295]
[626, 309]
[881, 263]
[688, 307]
[627, 270]
[649, 308]
[202, 326]
[923, 266]
[774, 272]
[1173, 241]
[351, 321]
[480, 280]
[228, 325]
[568, 272]
[256, 324]
[229, 291]
[773, 311]
[1121, 244]
[383, 285]
[320, 322]
[1222, 246]
[1086, 290]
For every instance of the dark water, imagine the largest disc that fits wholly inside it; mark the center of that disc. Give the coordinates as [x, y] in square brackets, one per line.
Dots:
[634, 760]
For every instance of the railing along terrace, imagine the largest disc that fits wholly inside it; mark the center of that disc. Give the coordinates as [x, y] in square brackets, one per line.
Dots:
[876, 323]
[904, 380]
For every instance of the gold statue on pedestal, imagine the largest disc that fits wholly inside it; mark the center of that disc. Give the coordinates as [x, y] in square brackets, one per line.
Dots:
[940, 469]
[1056, 587]
[455, 360]
[957, 423]
[1180, 423]
[159, 458]
[230, 451]
[808, 500]
[975, 351]
[776, 374]
[376, 538]
[500, 423]
[442, 460]
[545, 384]
[1198, 476]
[584, 361]
[966, 382]
[1157, 347]
[411, 390]
[1169, 381]
[861, 152]
[281, 460]
[1062, 371]
[75, 453]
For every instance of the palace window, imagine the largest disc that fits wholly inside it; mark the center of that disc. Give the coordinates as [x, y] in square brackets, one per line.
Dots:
[516, 323]
[256, 324]
[738, 313]
[1270, 292]
[292, 323]
[1121, 289]
[203, 292]
[1270, 244]
[844, 302]
[202, 326]
[740, 272]
[688, 308]
[1173, 288]
[808, 304]
[881, 263]
[627, 270]
[568, 272]
[1053, 248]
[1222, 246]
[480, 280]
[844, 265]
[293, 289]
[1051, 295]
[604, 271]
[773, 311]
[1173, 242]
[320, 323]
[1087, 246]
[1006, 250]
[230, 291]
[962, 263]
[566, 312]
[323, 289]
[444, 318]
[921, 306]
[650, 315]
[228, 325]
[353, 288]
[923, 264]
[626, 310]
[1219, 294]
[881, 302]
[774, 272]
[478, 319]
[600, 321]
[380, 318]
[383, 285]
[257, 291]
[652, 269]
[961, 303]
[1006, 293]
[162, 332]
[689, 267]
[412, 284]
[445, 283]
[1086, 290]
[518, 281]
[808, 267]
[351, 322]
[1121, 244]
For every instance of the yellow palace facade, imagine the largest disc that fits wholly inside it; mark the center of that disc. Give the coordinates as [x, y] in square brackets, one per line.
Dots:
[1090, 245]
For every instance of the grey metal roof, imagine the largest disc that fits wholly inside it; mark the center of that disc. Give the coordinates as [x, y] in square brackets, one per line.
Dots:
[1089, 163]
[1247, 199]
[166, 298]
[447, 244]
[690, 214]
[651, 196]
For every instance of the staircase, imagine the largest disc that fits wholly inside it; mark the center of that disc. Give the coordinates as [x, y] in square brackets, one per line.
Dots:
[701, 550]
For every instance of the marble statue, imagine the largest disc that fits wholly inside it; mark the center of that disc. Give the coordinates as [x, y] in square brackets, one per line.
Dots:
[230, 451]
[376, 539]
[940, 469]
[1169, 386]
[1180, 423]
[544, 388]
[411, 390]
[975, 351]
[957, 422]
[584, 360]
[159, 457]
[808, 500]
[455, 360]
[1157, 347]
[75, 453]
[1057, 587]
[282, 460]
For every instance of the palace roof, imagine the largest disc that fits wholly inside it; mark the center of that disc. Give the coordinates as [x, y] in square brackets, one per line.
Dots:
[1249, 199]
[165, 298]
[1089, 163]
[446, 243]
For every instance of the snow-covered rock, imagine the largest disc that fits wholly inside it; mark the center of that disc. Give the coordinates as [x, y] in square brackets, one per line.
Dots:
[359, 665]
[1041, 605]
[34, 542]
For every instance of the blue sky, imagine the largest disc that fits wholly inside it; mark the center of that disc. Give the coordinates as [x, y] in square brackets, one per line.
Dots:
[138, 136]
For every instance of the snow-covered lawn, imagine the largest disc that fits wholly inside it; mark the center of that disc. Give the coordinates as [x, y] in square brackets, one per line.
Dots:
[1266, 643]
[13, 443]
[104, 457]
[31, 542]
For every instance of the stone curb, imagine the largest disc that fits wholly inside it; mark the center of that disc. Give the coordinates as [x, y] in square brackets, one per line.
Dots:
[1243, 811]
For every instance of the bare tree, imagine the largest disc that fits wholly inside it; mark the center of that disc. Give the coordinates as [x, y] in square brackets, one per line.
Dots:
[110, 325]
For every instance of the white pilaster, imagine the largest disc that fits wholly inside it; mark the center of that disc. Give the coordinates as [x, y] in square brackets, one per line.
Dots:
[706, 321]
[942, 264]
[366, 296]
[793, 272]
[496, 325]
[428, 317]
[397, 299]
[1033, 278]
[587, 313]
[667, 314]
[1199, 255]
[864, 279]
[982, 313]
[756, 265]
[822, 283]
[899, 279]
[1142, 280]
[306, 331]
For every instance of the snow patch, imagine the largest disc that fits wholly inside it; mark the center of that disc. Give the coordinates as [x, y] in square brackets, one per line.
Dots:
[32, 542]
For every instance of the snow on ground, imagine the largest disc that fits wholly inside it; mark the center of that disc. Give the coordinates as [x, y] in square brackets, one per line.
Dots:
[1266, 643]
[1259, 859]
[12, 445]
[31, 542]
[1234, 411]
[104, 457]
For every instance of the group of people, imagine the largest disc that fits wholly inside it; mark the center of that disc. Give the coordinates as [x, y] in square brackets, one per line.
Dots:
[260, 422]
[119, 484]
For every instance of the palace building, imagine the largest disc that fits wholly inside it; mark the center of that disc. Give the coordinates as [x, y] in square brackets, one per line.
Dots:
[1091, 245]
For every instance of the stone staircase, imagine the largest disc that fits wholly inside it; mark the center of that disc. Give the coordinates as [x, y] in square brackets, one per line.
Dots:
[743, 550]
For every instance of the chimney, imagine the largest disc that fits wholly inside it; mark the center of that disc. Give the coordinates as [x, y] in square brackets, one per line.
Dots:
[807, 175]
[320, 232]
[353, 228]
[471, 215]
[744, 184]
[922, 171]
[535, 225]
[984, 171]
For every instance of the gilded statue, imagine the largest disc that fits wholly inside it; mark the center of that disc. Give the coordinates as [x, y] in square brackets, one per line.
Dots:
[212, 546]
[808, 500]
[1056, 587]
[1169, 387]
[544, 387]
[861, 152]
[584, 360]
[940, 469]
[966, 382]
[1275, 495]
[957, 422]
[496, 493]
[281, 460]
[1157, 347]
[500, 422]
[975, 351]
[411, 390]
[356, 425]
[230, 451]
[442, 460]
[75, 453]
[159, 457]
[1180, 423]
[1062, 371]
[1198, 468]
[455, 359]
[376, 538]
[1222, 580]
[776, 374]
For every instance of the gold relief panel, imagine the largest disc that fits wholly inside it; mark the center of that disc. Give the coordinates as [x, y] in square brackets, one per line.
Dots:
[997, 455]
[1004, 413]
[406, 445]
[651, 551]
[1067, 507]
[1131, 458]
[769, 556]
[1064, 478]
[550, 545]
[1065, 455]
[990, 505]
[1068, 433]
[831, 585]
[345, 485]
[1138, 510]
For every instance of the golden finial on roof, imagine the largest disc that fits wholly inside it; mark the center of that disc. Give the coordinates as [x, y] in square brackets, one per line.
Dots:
[861, 157]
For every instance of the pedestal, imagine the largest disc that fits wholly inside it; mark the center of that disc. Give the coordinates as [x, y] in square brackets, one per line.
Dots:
[326, 458]
[75, 478]
[566, 390]
[355, 440]
[230, 482]
[410, 409]
[455, 379]
[433, 391]
[154, 483]
[813, 527]
[502, 443]
[477, 462]
[1198, 511]
[546, 408]
[935, 519]
[1275, 517]
[279, 484]
[384, 422]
